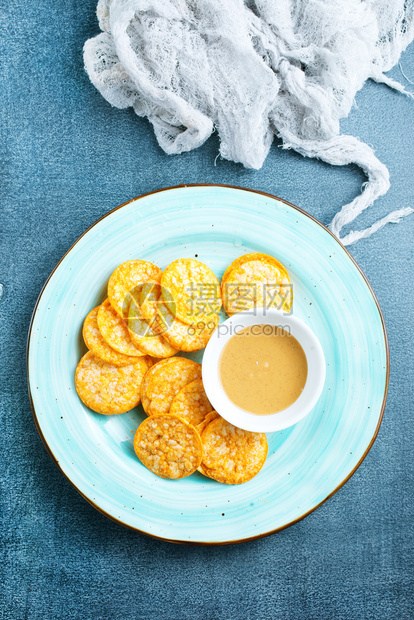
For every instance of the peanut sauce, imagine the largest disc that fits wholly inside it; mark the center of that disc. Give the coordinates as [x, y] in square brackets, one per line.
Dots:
[263, 369]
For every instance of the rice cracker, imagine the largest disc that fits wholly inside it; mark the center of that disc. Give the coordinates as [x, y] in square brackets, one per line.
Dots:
[190, 290]
[144, 398]
[109, 389]
[253, 256]
[191, 403]
[168, 446]
[95, 342]
[167, 380]
[126, 281]
[145, 337]
[255, 281]
[230, 454]
[179, 335]
[209, 418]
[115, 331]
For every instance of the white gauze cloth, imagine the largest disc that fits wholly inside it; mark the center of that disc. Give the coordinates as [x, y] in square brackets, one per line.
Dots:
[252, 69]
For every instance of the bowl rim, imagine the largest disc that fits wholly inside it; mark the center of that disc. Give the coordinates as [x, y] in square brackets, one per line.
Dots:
[315, 379]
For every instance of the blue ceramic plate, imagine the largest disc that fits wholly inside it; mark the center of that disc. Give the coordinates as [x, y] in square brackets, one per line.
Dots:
[308, 462]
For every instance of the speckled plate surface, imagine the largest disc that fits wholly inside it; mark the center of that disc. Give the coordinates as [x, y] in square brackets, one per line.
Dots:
[307, 462]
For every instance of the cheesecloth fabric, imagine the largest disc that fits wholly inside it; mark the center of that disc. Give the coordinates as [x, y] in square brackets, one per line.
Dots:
[253, 69]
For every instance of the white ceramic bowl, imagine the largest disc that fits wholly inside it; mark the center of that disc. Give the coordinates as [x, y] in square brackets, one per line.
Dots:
[273, 421]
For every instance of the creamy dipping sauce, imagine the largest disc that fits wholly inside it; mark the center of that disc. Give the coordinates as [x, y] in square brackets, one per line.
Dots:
[263, 369]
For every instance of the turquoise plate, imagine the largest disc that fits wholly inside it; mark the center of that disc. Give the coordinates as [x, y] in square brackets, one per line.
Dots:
[308, 462]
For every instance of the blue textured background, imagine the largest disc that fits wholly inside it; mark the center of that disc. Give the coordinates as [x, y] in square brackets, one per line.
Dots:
[67, 158]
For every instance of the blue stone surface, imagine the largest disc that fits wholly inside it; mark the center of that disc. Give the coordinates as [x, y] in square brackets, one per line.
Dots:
[67, 158]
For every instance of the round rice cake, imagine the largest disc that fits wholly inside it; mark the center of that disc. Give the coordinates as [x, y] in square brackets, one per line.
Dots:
[182, 336]
[191, 403]
[167, 380]
[144, 398]
[95, 342]
[230, 454]
[190, 290]
[253, 256]
[126, 281]
[109, 389]
[149, 300]
[115, 331]
[209, 418]
[145, 337]
[179, 335]
[255, 284]
[168, 446]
